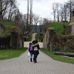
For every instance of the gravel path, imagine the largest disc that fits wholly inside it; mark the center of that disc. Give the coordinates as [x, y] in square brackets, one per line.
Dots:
[45, 65]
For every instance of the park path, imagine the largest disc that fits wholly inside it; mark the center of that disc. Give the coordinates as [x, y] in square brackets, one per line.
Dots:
[33, 36]
[45, 65]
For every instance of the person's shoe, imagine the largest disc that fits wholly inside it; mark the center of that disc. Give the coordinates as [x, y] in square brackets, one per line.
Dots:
[35, 61]
[30, 59]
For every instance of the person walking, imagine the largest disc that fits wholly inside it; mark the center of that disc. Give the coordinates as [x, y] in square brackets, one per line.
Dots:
[36, 48]
[30, 49]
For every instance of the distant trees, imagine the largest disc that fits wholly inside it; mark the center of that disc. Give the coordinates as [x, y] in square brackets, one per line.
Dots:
[62, 12]
[45, 24]
[35, 19]
[8, 9]
[56, 12]
[3, 7]
[14, 33]
[29, 15]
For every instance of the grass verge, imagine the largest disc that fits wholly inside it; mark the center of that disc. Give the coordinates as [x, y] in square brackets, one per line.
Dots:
[59, 57]
[11, 53]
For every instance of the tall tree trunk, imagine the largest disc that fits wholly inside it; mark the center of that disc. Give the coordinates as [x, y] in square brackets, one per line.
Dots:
[31, 12]
[70, 10]
[27, 23]
[58, 16]
[1, 17]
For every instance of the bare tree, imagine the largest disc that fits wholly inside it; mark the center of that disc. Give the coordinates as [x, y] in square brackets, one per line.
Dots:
[12, 9]
[66, 10]
[45, 24]
[3, 6]
[54, 11]
[61, 13]
[35, 19]
[57, 9]
[7, 6]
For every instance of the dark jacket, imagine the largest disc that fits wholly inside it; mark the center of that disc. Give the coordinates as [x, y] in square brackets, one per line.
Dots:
[36, 48]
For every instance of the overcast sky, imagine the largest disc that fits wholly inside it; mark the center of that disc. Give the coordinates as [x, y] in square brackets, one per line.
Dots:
[42, 8]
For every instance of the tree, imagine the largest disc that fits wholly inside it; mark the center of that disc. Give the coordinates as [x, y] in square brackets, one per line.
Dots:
[66, 10]
[54, 11]
[29, 14]
[12, 9]
[58, 13]
[3, 7]
[45, 24]
[7, 9]
[35, 19]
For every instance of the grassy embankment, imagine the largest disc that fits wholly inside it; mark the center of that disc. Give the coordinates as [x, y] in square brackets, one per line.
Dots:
[11, 53]
[59, 29]
[58, 57]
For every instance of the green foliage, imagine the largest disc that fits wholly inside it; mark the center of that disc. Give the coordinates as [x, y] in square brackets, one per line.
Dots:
[58, 27]
[29, 38]
[9, 27]
[7, 23]
[11, 53]
[58, 57]
[39, 36]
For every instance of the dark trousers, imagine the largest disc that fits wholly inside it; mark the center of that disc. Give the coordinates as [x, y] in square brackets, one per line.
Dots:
[31, 54]
[35, 59]
[35, 56]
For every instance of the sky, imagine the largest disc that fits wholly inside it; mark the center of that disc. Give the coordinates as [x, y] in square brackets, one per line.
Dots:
[42, 8]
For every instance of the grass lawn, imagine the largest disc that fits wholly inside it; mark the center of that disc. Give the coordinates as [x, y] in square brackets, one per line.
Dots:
[58, 27]
[11, 53]
[58, 57]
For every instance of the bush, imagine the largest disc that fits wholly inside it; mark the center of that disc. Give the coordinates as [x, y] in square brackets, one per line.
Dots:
[39, 37]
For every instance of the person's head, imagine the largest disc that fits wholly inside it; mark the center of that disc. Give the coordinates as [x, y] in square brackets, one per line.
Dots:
[30, 43]
[35, 41]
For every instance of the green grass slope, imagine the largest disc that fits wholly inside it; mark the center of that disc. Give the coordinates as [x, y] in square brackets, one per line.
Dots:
[58, 27]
